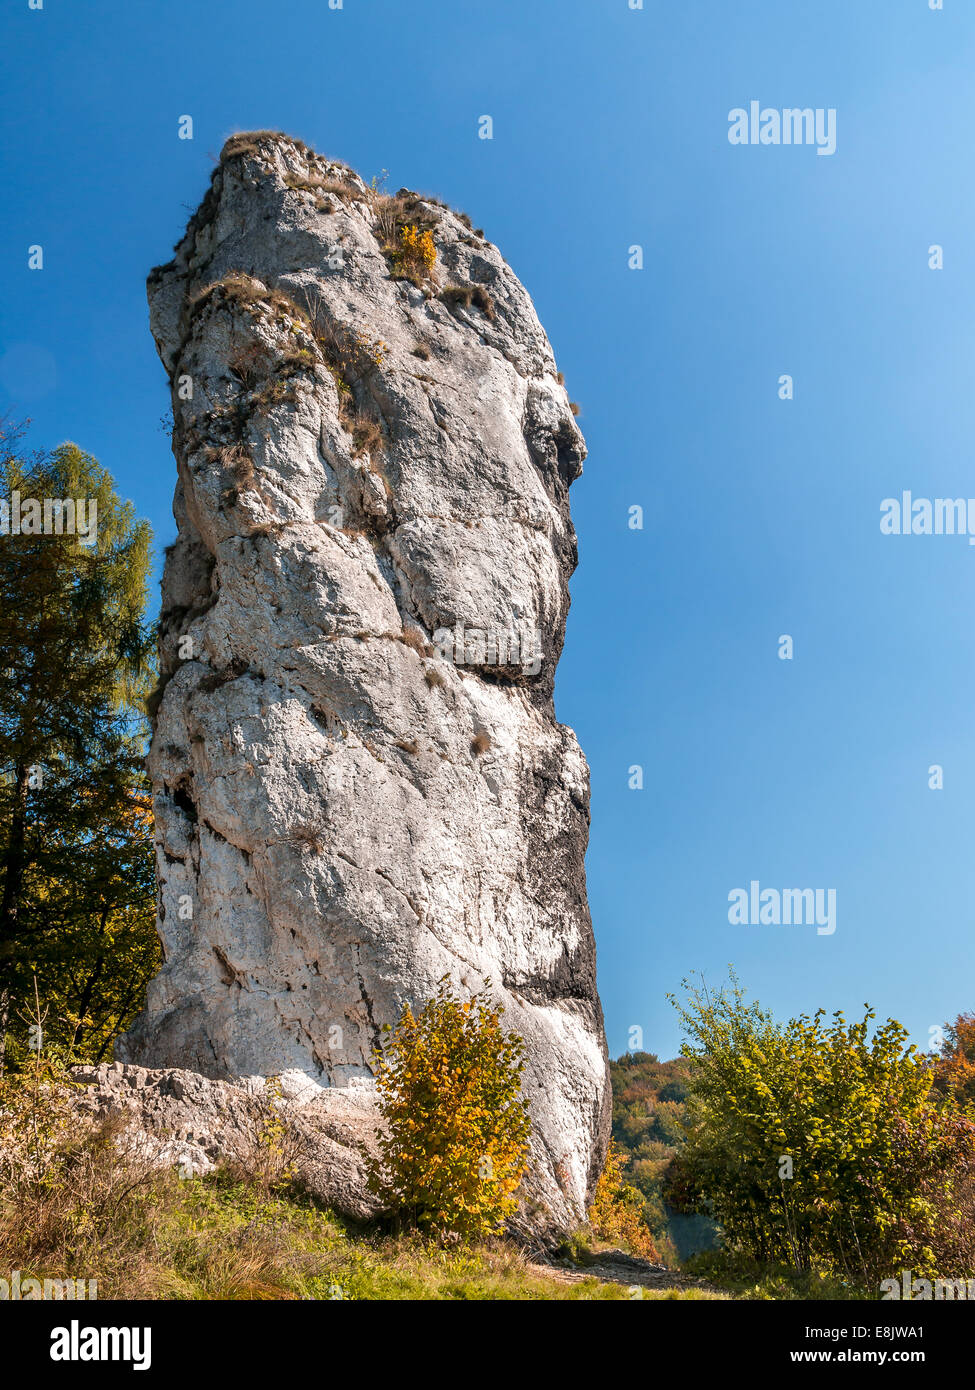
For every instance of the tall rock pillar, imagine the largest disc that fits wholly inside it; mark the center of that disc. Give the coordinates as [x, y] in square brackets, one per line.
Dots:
[360, 783]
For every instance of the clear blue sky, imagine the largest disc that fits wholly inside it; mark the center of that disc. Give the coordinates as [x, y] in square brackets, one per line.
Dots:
[762, 516]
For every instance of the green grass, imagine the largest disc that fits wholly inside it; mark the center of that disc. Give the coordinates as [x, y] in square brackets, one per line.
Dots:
[82, 1202]
[224, 1240]
[747, 1279]
[217, 1239]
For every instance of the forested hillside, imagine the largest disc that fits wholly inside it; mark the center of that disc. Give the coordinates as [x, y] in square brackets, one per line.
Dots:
[649, 1108]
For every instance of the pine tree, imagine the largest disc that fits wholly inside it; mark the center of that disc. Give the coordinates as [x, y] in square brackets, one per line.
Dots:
[76, 879]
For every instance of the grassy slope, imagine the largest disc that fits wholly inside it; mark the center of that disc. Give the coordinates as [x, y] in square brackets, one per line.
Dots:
[214, 1239]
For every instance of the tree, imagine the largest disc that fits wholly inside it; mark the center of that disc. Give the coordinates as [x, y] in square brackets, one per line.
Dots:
[76, 875]
[954, 1070]
[455, 1142]
[649, 1103]
[616, 1212]
[820, 1144]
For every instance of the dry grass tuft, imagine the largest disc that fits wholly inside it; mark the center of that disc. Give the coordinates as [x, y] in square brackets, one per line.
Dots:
[245, 292]
[413, 637]
[275, 392]
[308, 837]
[367, 436]
[236, 458]
[319, 185]
[247, 143]
[467, 295]
[249, 364]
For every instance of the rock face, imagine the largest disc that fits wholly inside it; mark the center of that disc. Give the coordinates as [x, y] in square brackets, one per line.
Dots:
[183, 1120]
[360, 784]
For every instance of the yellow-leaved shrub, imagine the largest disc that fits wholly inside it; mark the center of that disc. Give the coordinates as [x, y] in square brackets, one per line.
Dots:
[454, 1144]
[416, 254]
[616, 1210]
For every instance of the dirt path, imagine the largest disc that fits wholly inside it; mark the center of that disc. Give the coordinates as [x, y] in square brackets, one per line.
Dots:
[617, 1267]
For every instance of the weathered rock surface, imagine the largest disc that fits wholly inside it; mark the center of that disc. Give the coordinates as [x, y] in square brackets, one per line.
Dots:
[195, 1124]
[360, 784]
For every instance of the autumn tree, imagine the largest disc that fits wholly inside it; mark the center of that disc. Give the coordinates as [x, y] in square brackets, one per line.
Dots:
[454, 1144]
[954, 1069]
[616, 1211]
[76, 870]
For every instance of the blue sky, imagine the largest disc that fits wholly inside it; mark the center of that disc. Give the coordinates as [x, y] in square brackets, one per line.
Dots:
[761, 515]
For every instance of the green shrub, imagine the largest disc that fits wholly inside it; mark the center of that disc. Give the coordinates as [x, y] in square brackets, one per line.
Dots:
[819, 1145]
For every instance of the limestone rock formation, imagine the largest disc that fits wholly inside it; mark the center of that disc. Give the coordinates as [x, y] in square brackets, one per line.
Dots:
[183, 1120]
[360, 784]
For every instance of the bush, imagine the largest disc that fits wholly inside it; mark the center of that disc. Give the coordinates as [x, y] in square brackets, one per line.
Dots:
[69, 1183]
[616, 1213]
[818, 1145]
[267, 1156]
[416, 255]
[455, 1143]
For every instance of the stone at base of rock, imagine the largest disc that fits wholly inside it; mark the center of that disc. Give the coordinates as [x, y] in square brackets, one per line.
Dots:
[193, 1123]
